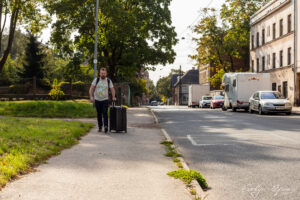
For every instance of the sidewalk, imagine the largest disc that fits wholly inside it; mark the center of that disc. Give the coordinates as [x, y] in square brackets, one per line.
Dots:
[296, 110]
[106, 167]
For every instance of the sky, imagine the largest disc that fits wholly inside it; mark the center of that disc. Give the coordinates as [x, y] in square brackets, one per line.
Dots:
[185, 13]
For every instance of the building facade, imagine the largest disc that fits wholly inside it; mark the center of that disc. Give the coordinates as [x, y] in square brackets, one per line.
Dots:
[181, 87]
[273, 46]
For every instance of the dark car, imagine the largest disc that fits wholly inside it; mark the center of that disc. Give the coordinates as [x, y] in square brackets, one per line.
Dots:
[217, 102]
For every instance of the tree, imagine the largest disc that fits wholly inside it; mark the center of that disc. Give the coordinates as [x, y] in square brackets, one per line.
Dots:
[33, 60]
[73, 68]
[224, 38]
[24, 12]
[164, 84]
[235, 15]
[211, 48]
[9, 75]
[164, 87]
[132, 33]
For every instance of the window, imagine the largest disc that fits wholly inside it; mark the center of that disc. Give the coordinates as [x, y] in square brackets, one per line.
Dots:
[289, 23]
[281, 58]
[252, 41]
[256, 96]
[289, 56]
[252, 65]
[268, 59]
[285, 89]
[281, 27]
[257, 39]
[274, 60]
[263, 63]
[274, 31]
[274, 86]
[257, 65]
[263, 37]
[279, 88]
[234, 83]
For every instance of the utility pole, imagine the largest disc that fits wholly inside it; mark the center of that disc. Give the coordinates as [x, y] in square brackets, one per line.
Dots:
[180, 86]
[96, 40]
[295, 50]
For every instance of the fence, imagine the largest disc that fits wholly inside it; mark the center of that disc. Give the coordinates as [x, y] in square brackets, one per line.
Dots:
[35, 89]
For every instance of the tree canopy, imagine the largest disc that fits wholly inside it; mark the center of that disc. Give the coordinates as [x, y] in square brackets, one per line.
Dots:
[27, 13]
[132, 33]
[224, 37]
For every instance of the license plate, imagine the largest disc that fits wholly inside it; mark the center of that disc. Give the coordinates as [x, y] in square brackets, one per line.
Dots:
[280, 108]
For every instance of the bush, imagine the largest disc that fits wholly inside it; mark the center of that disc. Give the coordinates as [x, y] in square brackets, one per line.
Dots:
[56, 93]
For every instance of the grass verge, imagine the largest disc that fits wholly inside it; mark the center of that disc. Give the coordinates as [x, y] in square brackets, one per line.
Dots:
[49, 109]
[25, 143]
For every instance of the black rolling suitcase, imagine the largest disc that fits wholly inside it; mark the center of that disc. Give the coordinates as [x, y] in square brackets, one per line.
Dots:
[118, 119]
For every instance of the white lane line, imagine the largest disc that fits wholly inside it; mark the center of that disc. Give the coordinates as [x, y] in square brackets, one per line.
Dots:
[194, 143]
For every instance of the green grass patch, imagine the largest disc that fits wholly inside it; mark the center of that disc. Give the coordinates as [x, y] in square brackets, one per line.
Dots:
[173, 154]
[179, 165]
[171, 150]
[188, 175]
[49, 109]
[24, 143]
[167, 143]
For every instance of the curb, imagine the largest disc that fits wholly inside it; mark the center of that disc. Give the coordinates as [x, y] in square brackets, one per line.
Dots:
[195, 184]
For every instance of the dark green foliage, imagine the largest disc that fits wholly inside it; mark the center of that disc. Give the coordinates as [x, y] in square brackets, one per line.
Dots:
[33, 60]
[132, 34]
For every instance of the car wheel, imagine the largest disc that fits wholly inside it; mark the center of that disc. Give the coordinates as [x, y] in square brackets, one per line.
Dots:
[260, 111]
[224, 108]
[250, 110]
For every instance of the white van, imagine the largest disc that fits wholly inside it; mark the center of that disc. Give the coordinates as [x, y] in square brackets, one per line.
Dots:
[195, 94]
[240, 86]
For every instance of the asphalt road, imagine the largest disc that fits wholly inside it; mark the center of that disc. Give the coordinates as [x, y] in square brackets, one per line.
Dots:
[243, 156]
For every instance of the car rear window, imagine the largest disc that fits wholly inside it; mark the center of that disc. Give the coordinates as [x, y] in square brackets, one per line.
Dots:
[219, 97]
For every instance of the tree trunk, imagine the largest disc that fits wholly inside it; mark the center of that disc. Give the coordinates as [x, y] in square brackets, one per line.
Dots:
[12, 29]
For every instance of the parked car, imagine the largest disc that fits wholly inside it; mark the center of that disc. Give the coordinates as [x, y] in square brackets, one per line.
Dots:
[195, 94]
[205, 102]
[161, 103]
[269, 102]
[238, 88]
[154, 103]
[217, 102]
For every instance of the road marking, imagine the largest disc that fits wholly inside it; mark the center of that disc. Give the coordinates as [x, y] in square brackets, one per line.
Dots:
[194, 143]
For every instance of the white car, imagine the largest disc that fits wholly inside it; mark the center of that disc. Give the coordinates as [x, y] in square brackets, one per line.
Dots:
[205, 102]
[269, 102]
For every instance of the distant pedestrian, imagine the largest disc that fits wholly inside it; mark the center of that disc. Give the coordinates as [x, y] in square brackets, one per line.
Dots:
[99, 95]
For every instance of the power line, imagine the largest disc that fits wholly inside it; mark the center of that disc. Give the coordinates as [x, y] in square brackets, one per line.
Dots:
[197, 18]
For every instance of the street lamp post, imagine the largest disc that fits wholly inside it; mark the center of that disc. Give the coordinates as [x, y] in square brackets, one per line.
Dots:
[96, 39]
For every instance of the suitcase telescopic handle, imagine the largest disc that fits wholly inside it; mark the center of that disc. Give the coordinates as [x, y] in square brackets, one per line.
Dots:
[114, 104]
